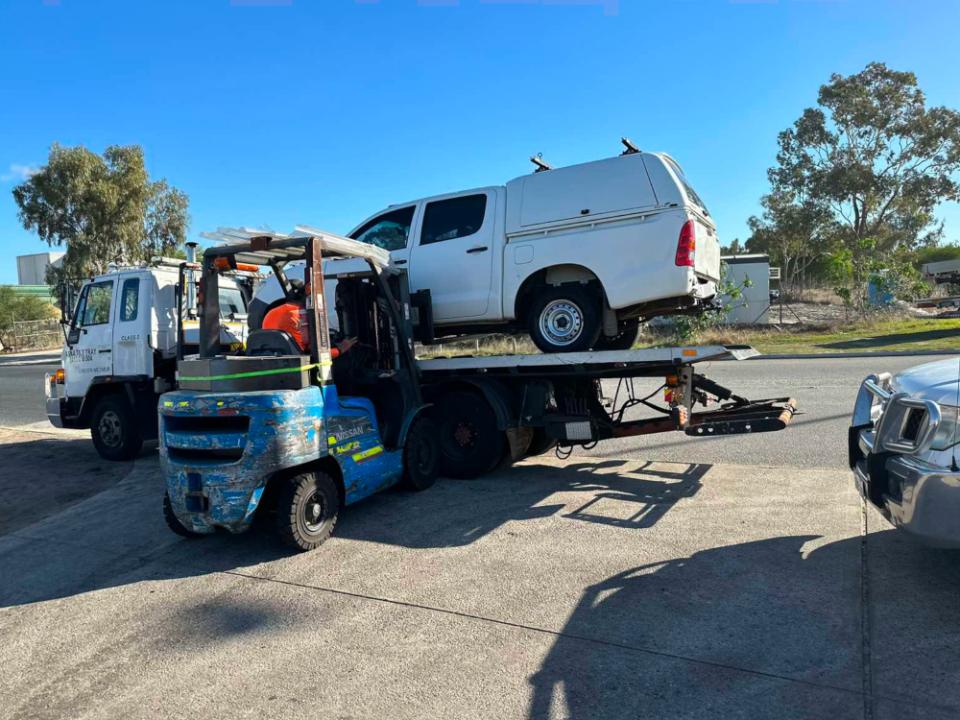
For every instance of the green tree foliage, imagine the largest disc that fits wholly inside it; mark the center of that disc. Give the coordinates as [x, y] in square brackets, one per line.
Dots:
[796, 232]
[936, 253]
[14, 308]
[875, 157]
[104, 209]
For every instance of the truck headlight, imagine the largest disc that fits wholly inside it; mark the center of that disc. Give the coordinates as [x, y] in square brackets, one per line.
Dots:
[948, 432]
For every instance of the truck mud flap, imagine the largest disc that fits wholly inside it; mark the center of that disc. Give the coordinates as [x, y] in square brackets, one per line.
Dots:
[755, 417]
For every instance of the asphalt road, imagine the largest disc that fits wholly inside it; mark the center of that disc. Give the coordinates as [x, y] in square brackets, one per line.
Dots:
[21, 388]
[825, 390]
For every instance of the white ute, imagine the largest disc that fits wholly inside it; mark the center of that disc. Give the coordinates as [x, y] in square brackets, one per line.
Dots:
[575, 256]
[121, 353]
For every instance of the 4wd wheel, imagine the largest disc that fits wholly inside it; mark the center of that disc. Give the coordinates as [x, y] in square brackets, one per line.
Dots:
[307, 510]
[421, 455]
[114, 429]
[173, 522]
[471, 444]
[564, 319]
[624, 340]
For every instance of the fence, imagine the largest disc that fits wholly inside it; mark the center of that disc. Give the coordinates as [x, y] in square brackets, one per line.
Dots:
[35, 335]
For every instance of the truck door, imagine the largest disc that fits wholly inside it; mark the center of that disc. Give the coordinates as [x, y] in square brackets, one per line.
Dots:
[91, 353]
[131, 329]
[454, 256]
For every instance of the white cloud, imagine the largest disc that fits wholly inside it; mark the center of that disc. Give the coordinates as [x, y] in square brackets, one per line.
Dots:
[19, 173]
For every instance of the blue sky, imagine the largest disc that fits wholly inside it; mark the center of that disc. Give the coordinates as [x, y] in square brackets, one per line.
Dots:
[277, 112]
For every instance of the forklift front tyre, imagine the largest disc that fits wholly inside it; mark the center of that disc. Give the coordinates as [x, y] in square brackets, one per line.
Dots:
[421, 455]
[114, 429]
[307, 508]
[173, 522]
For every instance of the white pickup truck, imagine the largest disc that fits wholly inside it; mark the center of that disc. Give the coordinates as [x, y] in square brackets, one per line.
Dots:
[575, 256]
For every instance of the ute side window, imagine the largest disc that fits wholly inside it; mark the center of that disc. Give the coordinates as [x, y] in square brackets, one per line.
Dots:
[129, 299]
[388, 231]
[93, 307]
[454, 218]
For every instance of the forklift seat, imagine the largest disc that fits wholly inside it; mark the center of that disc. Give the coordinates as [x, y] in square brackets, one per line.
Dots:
[272, 342]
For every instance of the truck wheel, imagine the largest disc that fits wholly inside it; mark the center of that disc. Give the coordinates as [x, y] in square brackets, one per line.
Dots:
[114, 429]
[540, 443]
[173, 522]
[307, 508]
[421, 455]
[471, 444]
[566, 318]
[624, 340]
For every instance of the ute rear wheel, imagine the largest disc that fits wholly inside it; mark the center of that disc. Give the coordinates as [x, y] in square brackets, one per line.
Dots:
[114, 429]
[421, 455]
[307, 509]
[470, 442]
[565, 318]
[623, 340]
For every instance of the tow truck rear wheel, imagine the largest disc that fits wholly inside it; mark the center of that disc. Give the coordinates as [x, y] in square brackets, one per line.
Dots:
[173, 522]
[421, 455]
[471, 444]
[114, 429]
[307, 508]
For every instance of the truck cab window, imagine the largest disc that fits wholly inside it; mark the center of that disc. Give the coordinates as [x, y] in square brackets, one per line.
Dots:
[94, 305]
[388, 231]
[454, 218]
[129, 299]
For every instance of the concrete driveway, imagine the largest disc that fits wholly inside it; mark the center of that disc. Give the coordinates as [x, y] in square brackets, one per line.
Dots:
[590, 588]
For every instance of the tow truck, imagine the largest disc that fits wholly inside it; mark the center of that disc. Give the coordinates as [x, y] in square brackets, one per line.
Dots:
[122, 342]
[266, 432]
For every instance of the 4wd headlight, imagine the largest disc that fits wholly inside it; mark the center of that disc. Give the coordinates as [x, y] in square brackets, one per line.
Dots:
[948, 433]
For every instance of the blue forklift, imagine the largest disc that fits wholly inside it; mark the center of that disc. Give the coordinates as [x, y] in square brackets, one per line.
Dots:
[270, 433]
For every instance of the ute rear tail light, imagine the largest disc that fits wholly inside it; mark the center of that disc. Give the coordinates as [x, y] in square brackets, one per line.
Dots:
[686, 245]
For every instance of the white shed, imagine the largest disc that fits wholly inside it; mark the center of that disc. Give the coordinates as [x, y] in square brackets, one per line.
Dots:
[754, 303]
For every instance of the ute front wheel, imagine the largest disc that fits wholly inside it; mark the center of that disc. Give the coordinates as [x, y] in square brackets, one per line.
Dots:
[307, 509]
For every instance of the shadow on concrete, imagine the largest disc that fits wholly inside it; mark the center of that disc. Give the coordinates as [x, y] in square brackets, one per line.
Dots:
[867, 343]
[627, 494]
[758, 629]
[118, 536]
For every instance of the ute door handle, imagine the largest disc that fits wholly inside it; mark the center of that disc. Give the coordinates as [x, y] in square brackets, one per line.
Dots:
[482, 248]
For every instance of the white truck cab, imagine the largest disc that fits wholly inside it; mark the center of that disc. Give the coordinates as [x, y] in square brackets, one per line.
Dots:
[121, 354]
[575, 256]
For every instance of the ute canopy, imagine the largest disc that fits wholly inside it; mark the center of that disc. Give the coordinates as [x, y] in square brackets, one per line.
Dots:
[286, 247]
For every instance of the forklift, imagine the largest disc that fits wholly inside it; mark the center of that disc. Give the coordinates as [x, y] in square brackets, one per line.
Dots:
[269, 432]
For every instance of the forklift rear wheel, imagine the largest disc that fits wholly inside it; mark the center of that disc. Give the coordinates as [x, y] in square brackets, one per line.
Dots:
[421, 455]
[471, 444]
[307, 508]
[114, 429]
[173, 522]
